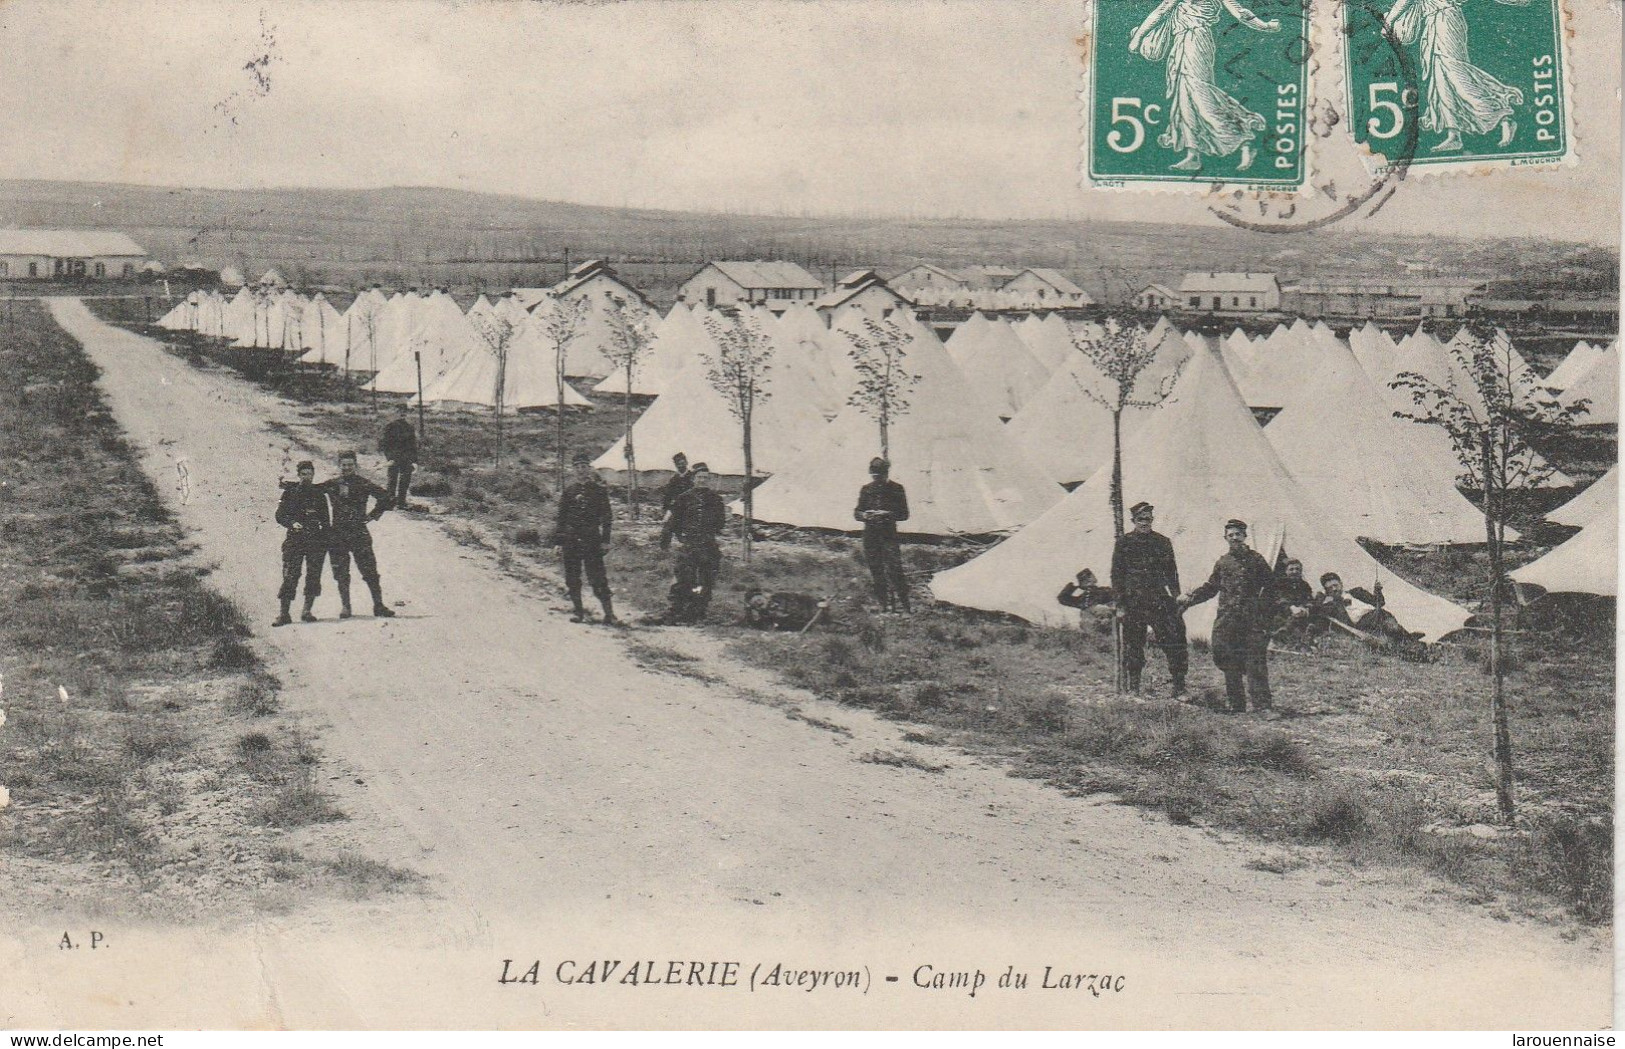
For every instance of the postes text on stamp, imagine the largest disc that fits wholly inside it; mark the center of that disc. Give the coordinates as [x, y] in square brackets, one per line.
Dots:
[1197, 92]
[1457, 82]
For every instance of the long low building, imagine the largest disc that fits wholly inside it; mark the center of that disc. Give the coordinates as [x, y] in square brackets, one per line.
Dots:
[59, 254]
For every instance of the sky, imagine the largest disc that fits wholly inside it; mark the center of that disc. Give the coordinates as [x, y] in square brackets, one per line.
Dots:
[894, 107]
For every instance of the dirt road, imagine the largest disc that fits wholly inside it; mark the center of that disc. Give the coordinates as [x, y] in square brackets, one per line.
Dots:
[567, 805]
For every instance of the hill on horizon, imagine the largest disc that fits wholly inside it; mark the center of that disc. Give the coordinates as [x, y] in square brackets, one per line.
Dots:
[427, 235]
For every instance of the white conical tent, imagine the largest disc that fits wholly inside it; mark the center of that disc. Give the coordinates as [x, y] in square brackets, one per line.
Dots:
[1201, 460]
[528, 380]
[1375, 351]
[694, 418]
[237, 319]
[438, 343]
[1602, 496]
[481, 315]
[1581, 358]
[1586, 564]
[1282, 366]
[827, 353]
[1067, 430]
[963, 473]
[588, 352]
[677, 338]
[1382, 477]
[1598, 385]
[363, 322]
[1048, 339]
[178, 317]
[996, 363]
[323, 332]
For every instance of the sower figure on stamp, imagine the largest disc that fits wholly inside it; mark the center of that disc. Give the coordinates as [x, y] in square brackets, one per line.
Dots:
[349, 493]
[582, 535]
[1461, 97]
[303, 512]
[399, 445]
[1203, 120]
[697, 518]
[1241, 580]
[1145, 583]
[882, 503]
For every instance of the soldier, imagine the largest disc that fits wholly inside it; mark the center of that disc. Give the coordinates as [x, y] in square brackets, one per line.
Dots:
[582, 535]
[1241, 578]
[399, 444]
[1330, 604]
[1145, 583]
[348, 494]
[303, 512]
[882, 503]
[697, 518]
[680, 482]
[1290, 599]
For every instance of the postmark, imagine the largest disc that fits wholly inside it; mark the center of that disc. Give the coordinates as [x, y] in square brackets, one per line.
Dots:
[1457, 82]
[1197, 93]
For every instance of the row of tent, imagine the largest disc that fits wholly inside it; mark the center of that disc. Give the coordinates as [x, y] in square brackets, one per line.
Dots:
[999, 421]
[497, 349]
[998, 299]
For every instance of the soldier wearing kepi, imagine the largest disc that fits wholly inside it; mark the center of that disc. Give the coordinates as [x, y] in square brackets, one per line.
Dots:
[1242, 581]
[303, 512]
[882, 503]
[1145, 584]
[349, 493]
[697, 518]
[582, 535]
[399, 444]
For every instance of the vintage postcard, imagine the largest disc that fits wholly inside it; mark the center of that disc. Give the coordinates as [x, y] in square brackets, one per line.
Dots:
[921, 514]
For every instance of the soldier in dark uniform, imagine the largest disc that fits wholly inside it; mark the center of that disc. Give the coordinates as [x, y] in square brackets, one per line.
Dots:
[582, 535]
[697, 518]
[1145, 583]
[1241, 579]
[1290, 599]
[882, 503]
[399, 444]
[303, 512]
[680, 482]
[348, 494]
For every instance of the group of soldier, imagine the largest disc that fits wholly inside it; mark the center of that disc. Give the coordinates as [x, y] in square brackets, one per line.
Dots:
[693, 514]
[1255, 604]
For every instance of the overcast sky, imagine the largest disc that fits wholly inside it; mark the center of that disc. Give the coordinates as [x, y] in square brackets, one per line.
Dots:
[912, 107]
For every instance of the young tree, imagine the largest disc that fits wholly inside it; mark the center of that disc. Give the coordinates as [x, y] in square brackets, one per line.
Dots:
[879, 351]
[499, 332]
[630, 339]
[1495, 412]
[1121, 353]
[562, 321]
[740, 372]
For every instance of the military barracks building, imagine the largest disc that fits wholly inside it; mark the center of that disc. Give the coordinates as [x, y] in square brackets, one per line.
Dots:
[68, 254]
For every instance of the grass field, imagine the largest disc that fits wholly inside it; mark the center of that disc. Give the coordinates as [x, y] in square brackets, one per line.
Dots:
[149, 764]
[1377, 761]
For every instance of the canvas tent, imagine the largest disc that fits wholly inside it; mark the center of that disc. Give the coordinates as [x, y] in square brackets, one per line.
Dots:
[1602, 496]
[1581, 358]
[1598, 385]
[1384, 478]
[963, 473]
[1201, 459]
[1586, 564]
[997, 365]
[528, 380]
[692, 417]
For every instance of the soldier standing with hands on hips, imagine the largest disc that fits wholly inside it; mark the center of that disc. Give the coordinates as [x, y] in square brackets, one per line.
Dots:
[349, 493]
[581, 534]
[303, 512]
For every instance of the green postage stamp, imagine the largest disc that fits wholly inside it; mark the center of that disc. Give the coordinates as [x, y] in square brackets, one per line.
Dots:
[1443, 82]
[1197, 92]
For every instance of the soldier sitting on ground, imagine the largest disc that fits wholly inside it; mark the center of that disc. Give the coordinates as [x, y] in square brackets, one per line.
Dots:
[781, 610]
